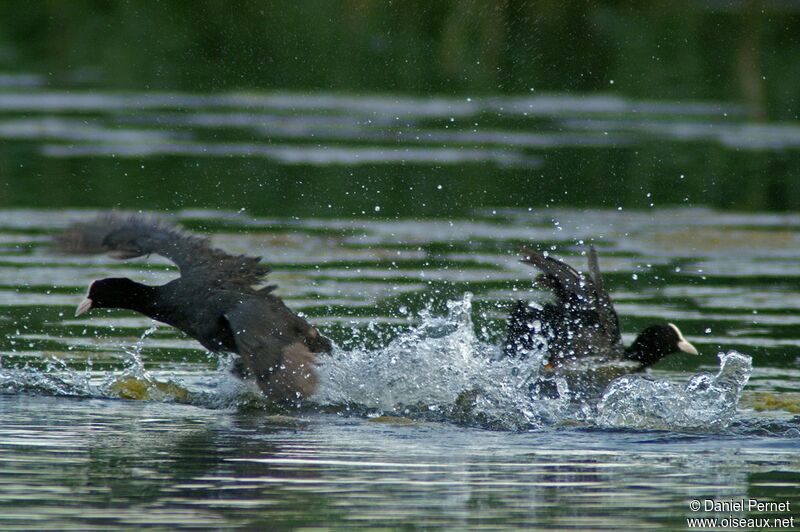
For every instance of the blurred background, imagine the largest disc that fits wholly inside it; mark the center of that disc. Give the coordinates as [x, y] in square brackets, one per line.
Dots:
[409, 108]
[388, 160]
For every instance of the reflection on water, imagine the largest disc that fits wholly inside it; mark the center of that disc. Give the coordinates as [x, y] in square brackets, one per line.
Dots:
[313, 155]
[339, 154]
[121, 464]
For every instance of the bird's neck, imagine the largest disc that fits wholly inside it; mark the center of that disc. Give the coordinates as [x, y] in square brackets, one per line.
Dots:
[140, 298]
[164, 304]
[642, 352]
[634, 352]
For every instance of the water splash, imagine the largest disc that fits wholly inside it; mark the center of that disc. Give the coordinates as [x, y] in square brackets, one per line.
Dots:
[706, 401]
[134, 365]
[440, 370]
[59, 379]
[56, 379]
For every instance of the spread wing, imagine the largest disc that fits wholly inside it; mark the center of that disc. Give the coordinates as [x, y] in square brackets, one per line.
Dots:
[582, 319]
[609, 320]
[273, 344]
[125, 236]
[557, 276]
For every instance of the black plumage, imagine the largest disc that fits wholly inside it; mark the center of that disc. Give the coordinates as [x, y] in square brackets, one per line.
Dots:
[581, 321]
[218, 300]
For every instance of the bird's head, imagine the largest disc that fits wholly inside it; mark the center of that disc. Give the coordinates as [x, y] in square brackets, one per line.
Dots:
[658, 341]
[113, 292]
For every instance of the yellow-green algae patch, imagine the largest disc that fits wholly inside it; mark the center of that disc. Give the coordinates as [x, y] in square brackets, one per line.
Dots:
[393, 420]
[764, 401]
[147, 390]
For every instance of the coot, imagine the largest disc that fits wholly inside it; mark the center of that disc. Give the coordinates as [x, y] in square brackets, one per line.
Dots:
[582, 322]
[217, 300]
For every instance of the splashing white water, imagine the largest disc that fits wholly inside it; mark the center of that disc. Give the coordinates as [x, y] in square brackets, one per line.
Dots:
[134, 365]
[438, 370]
[439, 367]
[706, 401]
[441, 370]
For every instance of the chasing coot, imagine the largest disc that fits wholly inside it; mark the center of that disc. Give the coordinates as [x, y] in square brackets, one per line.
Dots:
[582, 322]
[215, 300]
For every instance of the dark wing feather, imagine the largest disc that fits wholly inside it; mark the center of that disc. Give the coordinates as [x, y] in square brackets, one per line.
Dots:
[605, 308]
[521, 336]
[581, 321]
[273, 344]
[125, 236]
[557, 276]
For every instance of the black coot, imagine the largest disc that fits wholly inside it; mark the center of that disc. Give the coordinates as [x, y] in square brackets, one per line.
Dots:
[216, 300]
[582, 322]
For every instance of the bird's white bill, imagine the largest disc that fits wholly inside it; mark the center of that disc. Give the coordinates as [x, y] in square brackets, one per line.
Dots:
[686, 347]
[683, 343]
[85, 305]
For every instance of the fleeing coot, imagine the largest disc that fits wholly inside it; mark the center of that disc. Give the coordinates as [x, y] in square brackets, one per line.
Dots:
[216, 300]
[582, 322]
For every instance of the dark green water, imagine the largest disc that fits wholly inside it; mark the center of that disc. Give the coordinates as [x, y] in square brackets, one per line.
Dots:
[385, 160]
[615, 100]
